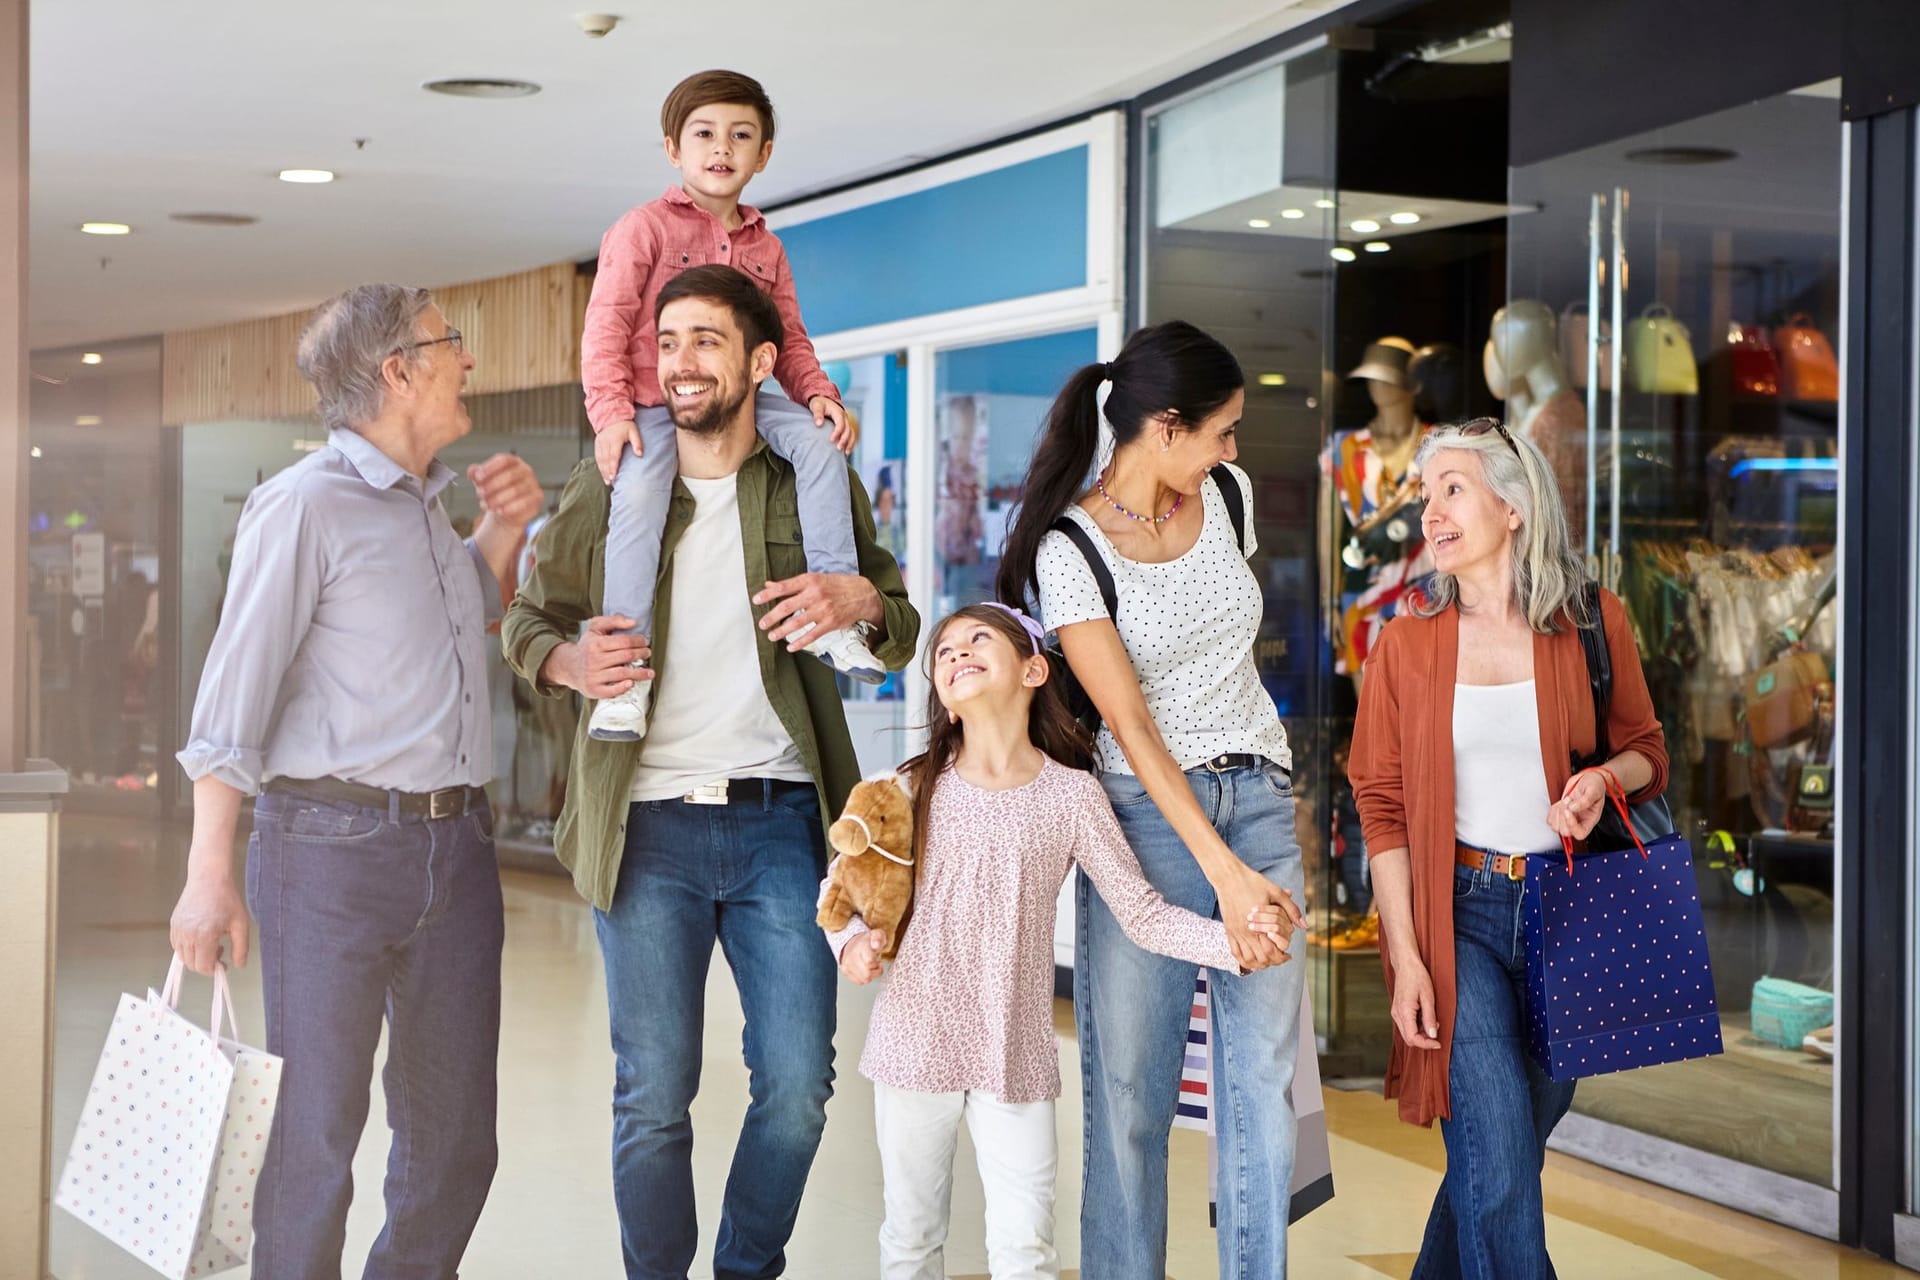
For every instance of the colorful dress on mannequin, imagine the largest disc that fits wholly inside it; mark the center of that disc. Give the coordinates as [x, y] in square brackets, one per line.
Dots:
[1381, 559]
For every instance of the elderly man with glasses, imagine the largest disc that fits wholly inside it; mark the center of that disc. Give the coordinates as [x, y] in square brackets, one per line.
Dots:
[347, 687]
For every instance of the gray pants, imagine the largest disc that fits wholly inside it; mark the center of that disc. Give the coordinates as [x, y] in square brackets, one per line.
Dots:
[645, 484]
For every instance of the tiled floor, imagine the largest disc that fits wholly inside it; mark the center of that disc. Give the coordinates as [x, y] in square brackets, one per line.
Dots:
[551, 1212]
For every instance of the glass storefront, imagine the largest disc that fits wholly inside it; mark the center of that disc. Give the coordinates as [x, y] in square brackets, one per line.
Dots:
[1661, 315]
[1694, 415]
[95, 573]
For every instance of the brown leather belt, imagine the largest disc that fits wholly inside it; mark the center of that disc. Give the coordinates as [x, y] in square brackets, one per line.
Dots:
[448, 802]
[1512, 866]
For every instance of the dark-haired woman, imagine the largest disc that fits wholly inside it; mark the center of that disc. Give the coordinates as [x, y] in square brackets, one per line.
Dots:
[1196, 765]
[963, 1030]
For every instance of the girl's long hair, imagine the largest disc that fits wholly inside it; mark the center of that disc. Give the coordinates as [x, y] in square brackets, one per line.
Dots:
[1170, 368]
[1050, 726]
[1549, 576]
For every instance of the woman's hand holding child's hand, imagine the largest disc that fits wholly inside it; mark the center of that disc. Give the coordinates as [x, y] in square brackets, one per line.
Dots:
[1275, 924]
[860, 958]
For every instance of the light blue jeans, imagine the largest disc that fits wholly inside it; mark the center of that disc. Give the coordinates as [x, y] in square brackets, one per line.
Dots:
[644, 486]
[1132, 1008]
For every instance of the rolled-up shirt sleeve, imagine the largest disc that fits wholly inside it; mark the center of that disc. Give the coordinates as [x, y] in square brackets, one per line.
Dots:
[272, 591]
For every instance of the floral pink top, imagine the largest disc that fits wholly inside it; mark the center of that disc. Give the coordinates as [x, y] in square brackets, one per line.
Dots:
[968, 1002]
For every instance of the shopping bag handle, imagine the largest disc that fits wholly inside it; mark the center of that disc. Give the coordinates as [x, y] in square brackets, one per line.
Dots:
[1618, 795]
[222, 997]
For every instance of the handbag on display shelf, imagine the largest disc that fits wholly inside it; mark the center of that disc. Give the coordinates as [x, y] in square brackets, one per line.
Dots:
[1808, 368]
[1780, 697]
[1810, 781]
[1756, 366]
[1660, 354]
[1576, 330]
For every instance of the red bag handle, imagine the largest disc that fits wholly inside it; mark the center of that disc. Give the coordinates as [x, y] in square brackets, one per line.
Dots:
[1617, 794]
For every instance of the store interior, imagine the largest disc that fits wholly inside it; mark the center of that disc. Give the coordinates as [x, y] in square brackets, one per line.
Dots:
[1374, 228]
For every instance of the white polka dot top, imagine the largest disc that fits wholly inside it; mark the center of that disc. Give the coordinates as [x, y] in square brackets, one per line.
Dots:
[1188, 625]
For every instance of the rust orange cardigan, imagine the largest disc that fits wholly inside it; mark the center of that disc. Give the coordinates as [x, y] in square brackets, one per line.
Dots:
[1401, 766]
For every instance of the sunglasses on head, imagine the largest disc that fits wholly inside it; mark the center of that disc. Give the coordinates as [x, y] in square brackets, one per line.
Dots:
[1481, 426]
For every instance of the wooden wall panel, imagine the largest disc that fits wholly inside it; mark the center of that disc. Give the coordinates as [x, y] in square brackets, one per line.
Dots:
[523, 330]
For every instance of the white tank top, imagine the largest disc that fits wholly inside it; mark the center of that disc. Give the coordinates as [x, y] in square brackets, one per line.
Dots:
[1500, 796]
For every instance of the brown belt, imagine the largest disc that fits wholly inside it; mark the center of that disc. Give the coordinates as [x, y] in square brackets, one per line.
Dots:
[1512, 866]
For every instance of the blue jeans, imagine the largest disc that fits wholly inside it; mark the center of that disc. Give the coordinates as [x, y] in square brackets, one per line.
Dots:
[748, 874]
[644, 484]
[367, 918]
[1488, 1222]
[1132, 1008]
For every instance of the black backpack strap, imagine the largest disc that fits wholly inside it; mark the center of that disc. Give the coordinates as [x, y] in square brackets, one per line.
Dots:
[1230, 494]
[1103, 576]
[1593, 640]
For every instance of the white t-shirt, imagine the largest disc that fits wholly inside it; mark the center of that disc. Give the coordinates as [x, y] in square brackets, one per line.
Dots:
[1500, 797]
[711, 718]
[1188, 626]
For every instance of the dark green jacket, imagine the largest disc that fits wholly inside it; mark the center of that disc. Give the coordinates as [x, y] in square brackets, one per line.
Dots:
[567, 586]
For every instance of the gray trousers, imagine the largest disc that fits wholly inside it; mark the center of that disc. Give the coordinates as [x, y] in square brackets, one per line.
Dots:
[644, 485]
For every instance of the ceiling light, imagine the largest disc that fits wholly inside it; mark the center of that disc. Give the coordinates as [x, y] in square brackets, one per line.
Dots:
[215, 219]
[87, 420]
[91, 357]
[1340, 253]
[1377, 246]
[1323, 203]
[470, 88]
[1273, 379]
[306, 175]
[106, 228]
[1365, 226]
[35, 452]
[1404, 219]
[1258, 224]
[1293, 213]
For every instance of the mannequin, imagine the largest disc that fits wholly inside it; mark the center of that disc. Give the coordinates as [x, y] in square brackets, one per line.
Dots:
[1437, 377]
[1369, 507]
[1522, 365]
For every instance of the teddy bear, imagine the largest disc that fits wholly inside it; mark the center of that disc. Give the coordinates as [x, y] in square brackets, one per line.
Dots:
[872, 871]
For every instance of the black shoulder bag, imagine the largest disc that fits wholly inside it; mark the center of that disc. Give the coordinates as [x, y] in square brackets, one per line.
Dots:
[1077, 700]
[1652, 819]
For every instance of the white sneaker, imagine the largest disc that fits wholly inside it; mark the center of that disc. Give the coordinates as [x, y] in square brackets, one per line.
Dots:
[843, 651]
[623, 717]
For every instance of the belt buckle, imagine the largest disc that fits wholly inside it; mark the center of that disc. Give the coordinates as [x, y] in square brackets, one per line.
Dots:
[709, 793]
[442, 803]
[1215, 765]
[1516, 867]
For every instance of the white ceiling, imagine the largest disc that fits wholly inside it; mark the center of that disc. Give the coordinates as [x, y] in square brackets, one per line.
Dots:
[142, 109]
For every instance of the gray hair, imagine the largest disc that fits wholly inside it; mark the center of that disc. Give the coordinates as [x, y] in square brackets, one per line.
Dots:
[1549, 576]
[347, 342]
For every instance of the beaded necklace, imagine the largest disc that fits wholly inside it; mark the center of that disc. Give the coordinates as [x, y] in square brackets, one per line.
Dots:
[1100, 483]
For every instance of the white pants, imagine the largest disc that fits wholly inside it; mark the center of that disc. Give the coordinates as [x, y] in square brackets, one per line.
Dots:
[1018, 1152]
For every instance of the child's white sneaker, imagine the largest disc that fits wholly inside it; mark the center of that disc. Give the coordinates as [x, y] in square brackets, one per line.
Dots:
[623, 717]
[846, 653]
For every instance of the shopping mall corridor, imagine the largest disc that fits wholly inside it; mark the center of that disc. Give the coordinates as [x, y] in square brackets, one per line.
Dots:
[551, 1212]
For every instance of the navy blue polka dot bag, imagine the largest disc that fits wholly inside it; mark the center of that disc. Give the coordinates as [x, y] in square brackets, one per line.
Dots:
[1617, 969]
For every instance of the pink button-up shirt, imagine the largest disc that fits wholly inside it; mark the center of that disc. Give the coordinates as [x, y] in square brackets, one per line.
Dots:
[619, 360]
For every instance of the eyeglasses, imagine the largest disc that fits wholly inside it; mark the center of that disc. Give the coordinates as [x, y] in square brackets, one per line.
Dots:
[454, 337]
[1480, 427]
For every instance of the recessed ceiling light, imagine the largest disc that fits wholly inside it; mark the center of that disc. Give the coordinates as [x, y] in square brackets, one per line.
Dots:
[215, 219]
[1258, 224]
[1273, 379]
[483, 88]
[106, 228]
[35, 451]
[1682, 155]
[1377, 246]
[1323, 203]
[1340, 253]
[1293, 213]
[306, 175]
[1404, 219]
[91, 357]
[1365, 226]
[87, 420]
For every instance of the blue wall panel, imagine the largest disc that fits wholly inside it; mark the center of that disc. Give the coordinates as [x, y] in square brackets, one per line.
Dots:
[1005, 234]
